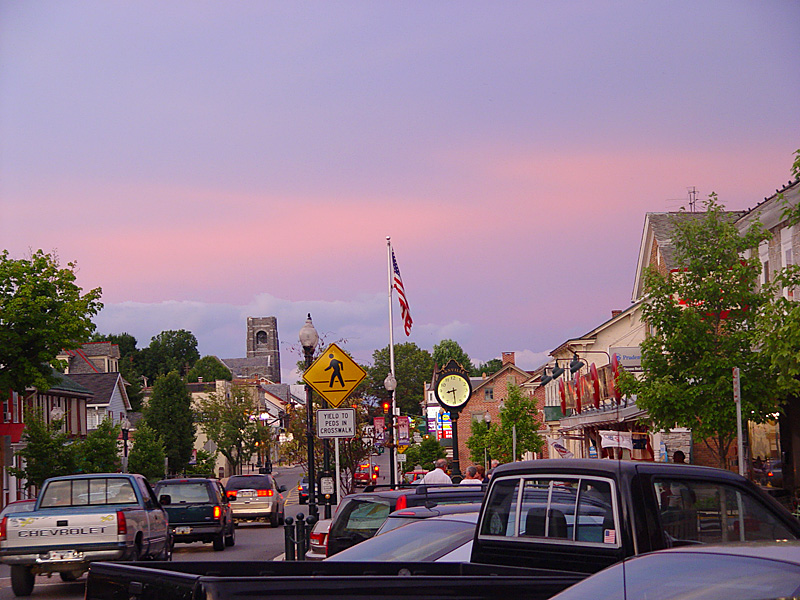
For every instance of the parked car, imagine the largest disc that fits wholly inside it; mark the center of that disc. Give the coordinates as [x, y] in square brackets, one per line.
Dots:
[413, 514]
[744, 571]
[198, 511]
[414, 476]
[18, 506]
[774, 473]
[360, 515]
[302, 490]
[255, 497]
[318, 540]
[446, 538]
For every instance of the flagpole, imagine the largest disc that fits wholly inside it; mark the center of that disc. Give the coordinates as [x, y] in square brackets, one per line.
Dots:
[392, 454]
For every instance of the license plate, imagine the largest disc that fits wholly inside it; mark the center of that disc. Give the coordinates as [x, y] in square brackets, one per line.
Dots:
[182, 530]
[65, 555]
[247, 493]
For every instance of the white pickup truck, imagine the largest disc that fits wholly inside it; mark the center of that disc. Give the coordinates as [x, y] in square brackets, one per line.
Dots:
[80, 519]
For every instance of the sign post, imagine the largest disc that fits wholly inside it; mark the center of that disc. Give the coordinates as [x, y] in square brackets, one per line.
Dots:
[737, 398]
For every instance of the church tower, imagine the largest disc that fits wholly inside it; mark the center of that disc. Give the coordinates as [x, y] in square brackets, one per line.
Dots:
[262, 343]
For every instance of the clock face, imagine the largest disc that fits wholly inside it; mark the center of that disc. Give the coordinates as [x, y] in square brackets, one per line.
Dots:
[453, 390]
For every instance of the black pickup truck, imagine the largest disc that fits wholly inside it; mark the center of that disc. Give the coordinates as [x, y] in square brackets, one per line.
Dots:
[544, 525]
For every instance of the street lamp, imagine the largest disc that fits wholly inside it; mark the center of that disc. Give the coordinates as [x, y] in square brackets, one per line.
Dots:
[309, 339]
[390, 383]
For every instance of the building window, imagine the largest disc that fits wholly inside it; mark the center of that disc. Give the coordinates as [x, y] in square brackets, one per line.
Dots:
[488, 393]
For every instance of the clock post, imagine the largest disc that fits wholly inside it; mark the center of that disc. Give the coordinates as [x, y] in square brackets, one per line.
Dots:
[453, 389]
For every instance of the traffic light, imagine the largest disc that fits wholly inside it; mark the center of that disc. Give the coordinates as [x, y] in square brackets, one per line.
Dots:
[375, 470]
[387, 407]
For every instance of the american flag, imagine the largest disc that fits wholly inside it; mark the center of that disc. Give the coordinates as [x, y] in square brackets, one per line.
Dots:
[609, 536]
[401, 297]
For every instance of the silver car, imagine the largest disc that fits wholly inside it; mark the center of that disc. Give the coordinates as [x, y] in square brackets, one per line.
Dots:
[256, 497]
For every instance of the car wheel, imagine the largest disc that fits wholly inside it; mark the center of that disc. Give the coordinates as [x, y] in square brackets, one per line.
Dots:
[22, 580]
[281, 519]
[68, 576]
[230, 539]
[273, 520]
[219, 542]
[166, 552]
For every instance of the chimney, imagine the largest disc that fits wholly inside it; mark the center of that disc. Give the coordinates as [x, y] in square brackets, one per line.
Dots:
[615, 313]
[508, 358]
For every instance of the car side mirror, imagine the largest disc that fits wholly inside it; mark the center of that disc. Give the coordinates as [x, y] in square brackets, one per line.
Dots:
[231, 498]
[165, 499]
[281, 488]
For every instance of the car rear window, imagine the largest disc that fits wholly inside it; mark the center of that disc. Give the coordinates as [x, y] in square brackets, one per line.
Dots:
[361, 516]
[249, 482]
[88, 492]
[186, 493]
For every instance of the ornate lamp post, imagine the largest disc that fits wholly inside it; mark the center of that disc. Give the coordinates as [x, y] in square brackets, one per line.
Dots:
[126, 427]
[309, 339]
[390, 383]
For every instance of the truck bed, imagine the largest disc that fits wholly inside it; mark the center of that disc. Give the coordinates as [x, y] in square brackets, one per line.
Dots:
[333, 581]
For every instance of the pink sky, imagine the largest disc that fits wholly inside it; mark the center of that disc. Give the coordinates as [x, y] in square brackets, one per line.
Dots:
[204, 163]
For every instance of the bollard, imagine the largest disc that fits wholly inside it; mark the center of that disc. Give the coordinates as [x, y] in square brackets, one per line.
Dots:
[300, 536]
[310, 522]
[288, 538]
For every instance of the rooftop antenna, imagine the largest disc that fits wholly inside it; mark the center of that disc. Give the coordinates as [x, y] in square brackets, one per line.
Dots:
[692, 198]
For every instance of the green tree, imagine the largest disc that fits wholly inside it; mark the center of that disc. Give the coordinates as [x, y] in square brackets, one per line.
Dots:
[447, 350]
[42, 312]
[413, 368]
[210, 368]
[147, 454]
[424, 454]
[99, 451]
[490, 367]
[518, 411]
[478, 442]
[225, 417]
[204, 466]
[170, 414]
[168, 351]
[48, 451]
[703, 324]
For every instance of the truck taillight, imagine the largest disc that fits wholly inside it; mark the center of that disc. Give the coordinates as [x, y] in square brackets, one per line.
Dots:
[122, 524]
[3, 528]
[401, 503]
[217, 512]
[265, 492]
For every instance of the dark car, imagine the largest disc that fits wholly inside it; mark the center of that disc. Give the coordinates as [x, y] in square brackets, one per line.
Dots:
[446, 538]
[360, 515]
[302, 490]
[255, 497]
[774, 473]
[405, 516]
[742, 571]
[198, 511]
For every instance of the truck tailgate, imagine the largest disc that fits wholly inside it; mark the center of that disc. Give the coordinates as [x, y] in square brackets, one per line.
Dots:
[336, 581]
[56, 528]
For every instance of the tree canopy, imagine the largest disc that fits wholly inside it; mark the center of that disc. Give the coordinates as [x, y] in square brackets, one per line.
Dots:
[209, 368]
[98, 452]
[225, 417]
[171, 350]
[42, 312]
[413, 368]
[170, 414]
[702, 320]
[48, 451]
[147, 453]
[520, 411]
[446, 350]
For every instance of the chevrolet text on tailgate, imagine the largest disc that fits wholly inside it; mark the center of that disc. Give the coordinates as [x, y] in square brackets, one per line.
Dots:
[544, 525]
[81, 519]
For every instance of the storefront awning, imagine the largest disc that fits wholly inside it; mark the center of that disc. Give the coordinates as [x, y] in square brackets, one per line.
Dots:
[607, 416]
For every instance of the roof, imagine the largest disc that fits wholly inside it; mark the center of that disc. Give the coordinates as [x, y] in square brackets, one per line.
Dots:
[101, 385]
[67, 384]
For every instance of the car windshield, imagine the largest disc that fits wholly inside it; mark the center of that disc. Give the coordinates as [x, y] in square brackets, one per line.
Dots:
[185, 493]
[424, 540]
[249, 482]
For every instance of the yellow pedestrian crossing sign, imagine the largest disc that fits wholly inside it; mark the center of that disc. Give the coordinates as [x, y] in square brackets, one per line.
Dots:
[334, 375]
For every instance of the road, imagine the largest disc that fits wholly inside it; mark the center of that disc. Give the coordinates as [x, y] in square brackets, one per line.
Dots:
[254, 541]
